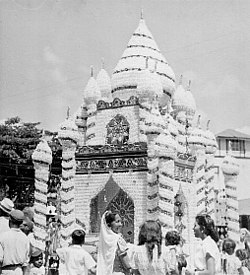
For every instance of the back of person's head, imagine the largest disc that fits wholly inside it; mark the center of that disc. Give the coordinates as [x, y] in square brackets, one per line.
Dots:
[206, 224]
[173, 237]
[241, 254]
[78, 236]
[151, 235]
[228, 246]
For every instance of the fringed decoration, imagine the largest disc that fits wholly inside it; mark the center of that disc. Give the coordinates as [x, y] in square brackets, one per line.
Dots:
[42, 158]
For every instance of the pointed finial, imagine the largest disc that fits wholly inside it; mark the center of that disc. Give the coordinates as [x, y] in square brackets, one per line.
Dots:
[102, 60]
[142, 14]
[91, 71]
[199, 121]
[43, 134]
[147, 58]
[68, 110]
[180, 81]
[156, 63]
[189, 85]
[208, 124]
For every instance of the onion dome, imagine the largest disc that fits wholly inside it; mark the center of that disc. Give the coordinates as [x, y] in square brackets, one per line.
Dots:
[126, 74]
[92, 92]
[104, 83]
[68, 131]
[42, 153]
[230, 165]
[81, 116]
[149, 85]
[183, 101]
[211, 145]
[197, 137]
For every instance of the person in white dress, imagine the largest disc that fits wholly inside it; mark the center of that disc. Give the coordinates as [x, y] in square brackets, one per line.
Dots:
[231, 263]
[112, 258]
[207, 256]
[150, 257]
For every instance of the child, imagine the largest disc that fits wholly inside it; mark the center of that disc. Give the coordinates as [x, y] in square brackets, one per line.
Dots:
[232, 264]
[243, 257]
[76, 259]
[172, 240]
[36, 263]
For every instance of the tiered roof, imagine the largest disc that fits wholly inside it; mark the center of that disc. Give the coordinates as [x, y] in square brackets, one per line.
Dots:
[126, 73]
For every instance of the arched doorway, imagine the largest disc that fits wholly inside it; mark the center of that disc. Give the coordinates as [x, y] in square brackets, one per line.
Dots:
[113, 198]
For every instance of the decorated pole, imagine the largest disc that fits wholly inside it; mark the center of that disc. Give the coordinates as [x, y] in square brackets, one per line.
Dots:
[68, 136]
[42, 158]
[231, 169]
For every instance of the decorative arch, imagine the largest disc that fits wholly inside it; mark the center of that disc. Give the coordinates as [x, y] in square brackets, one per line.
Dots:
[113, 198]
[117, 131]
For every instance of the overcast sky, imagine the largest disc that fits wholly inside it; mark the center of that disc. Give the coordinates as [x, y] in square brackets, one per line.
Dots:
[47, 47]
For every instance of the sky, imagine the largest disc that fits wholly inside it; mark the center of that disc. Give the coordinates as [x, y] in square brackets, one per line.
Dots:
[48, 46]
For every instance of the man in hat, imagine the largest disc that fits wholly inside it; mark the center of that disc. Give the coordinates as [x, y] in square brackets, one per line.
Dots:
[6, 205]
[14, 247]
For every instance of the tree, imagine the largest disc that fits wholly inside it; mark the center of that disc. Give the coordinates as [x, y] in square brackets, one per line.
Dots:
[18, 140]
[17, 143]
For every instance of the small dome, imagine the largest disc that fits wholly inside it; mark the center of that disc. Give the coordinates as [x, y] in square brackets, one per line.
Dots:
[230, 166]
[149, 85]
[92, 92]
[42, 152]
[179, 101]
[68, 130]
[183, 100]
[81, 116]
[104, 83]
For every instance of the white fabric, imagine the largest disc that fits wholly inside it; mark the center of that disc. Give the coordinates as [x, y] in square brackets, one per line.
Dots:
[14, 248]
[207, 246]
[4, 225]
[158, 266]
[77, 261]
[232, 264]
[106, 249]
[17, 271]
[32, 270]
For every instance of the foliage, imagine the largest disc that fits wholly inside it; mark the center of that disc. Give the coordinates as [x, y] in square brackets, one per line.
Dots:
[18, 140]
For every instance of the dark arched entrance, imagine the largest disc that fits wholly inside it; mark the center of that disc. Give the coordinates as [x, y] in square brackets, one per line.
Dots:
[113, 198]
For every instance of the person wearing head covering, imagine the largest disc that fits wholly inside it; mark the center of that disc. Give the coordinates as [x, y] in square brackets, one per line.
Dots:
[112, 255]
[76, 259]
[14, 247]
[36, 266]
[6, 205]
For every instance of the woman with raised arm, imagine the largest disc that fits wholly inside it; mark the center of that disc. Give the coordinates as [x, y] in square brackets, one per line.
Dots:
[112, 256]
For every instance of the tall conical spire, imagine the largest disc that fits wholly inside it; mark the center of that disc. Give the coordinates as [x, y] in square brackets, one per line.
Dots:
[126, 73]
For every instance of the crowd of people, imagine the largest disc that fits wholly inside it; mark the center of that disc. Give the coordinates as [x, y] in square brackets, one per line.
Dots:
[154, 254]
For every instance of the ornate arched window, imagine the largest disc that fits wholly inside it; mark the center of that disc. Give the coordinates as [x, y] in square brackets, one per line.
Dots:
[118, 131]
